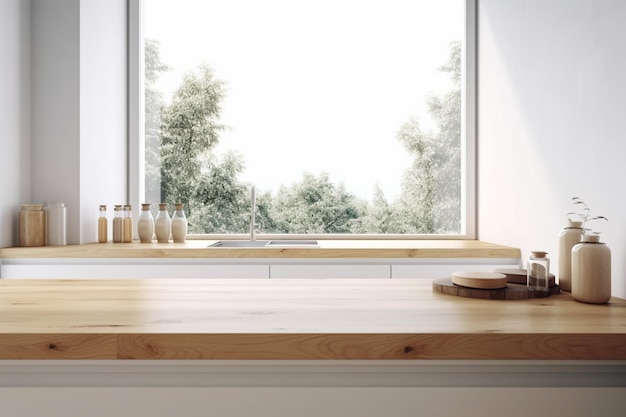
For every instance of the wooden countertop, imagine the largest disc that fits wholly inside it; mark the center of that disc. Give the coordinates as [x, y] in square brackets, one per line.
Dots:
[295, 319]
[327, 249]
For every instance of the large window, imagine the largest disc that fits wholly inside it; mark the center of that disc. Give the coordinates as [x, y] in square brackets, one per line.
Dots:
[347, 116]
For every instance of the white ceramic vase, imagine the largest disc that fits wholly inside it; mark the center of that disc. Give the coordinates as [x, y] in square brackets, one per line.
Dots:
[591, 270]
[568, 237]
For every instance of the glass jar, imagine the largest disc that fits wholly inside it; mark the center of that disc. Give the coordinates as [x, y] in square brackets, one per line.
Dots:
[32, 225]
[538, 272]
[127, 226]
[145, 224]
[568, 237]
[103, 227]
[56, 232]
[162, 224]
[118, 224]
[591, 270]
[179, 224]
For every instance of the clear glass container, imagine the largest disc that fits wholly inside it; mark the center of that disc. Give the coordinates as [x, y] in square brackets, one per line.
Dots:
[179, 224]
[538, 272]
[162, 224]
[118, 224]
[145, 224]
[103, 226]
[56, 218]
[127, 227]
[32, 225]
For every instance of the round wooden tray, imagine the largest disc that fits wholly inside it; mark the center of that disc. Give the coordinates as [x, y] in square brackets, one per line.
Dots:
[510, 292]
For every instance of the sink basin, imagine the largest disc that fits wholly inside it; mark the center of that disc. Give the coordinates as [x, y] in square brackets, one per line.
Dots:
[287, 243]
[239, 244]
[282, 243]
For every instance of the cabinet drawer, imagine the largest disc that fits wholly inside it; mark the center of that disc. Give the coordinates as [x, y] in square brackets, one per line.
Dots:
[330, 271]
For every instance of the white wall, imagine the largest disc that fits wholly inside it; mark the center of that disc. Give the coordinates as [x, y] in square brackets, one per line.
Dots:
[551, 113]
[63, 109]
[14, 115]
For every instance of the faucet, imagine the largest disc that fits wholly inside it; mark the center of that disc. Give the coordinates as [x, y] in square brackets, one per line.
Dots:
[252, 214]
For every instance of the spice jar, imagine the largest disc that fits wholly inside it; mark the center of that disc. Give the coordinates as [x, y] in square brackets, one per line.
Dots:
[118, 226]
[32, 225]
[538, 272]
[127, 227]
[103, 227]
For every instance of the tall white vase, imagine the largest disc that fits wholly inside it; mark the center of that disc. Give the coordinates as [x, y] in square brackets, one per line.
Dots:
[591, 271]
[568, 237]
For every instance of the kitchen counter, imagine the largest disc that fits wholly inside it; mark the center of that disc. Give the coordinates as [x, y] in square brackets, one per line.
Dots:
[327, 249]
[282, 319]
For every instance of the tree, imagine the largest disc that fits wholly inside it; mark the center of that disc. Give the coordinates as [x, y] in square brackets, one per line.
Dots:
[189, 129]
[431, 193]
[153, 104]
[314, 205]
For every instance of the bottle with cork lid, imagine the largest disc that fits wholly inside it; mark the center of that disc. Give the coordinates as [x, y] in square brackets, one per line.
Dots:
[162, 224]
[179, 224]
[145, 224]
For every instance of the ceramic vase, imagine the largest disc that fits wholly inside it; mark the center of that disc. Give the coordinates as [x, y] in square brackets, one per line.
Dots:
[568, 237]
[591, 270]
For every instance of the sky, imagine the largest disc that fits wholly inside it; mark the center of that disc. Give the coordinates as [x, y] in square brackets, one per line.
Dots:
[313, 86]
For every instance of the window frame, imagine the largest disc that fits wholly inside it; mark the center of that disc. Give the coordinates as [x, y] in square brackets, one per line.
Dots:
[136, 134]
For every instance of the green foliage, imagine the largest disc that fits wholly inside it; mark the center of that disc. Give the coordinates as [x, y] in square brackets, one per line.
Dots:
[189, 128]
[314, 205]
[431, 192]
[153, 104]
[181, 139]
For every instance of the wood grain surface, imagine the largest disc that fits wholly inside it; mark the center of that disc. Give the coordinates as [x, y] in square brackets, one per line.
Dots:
[343, 248]
[295, 319]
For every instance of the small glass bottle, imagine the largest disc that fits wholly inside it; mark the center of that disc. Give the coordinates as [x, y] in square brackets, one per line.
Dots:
[127, 228]
[145, 224]
[538, 272]
[118, 224]
[162, 224]
[103, 227]
[32, 225]
[179, 224]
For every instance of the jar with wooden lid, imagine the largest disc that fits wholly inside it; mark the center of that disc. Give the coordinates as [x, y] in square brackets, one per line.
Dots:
[591, 270]
[162, 224]
[32, 225]
[103, 226]
[127, 226]
[118, 226]
[568, 237]
[145, 224]
[179, 224]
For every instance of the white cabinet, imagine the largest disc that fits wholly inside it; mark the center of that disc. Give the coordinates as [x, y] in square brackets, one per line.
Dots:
[329, 270]
[124, 269]
[73, 268]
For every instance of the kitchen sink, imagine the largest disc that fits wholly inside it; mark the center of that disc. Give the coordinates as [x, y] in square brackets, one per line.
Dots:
[281, 243]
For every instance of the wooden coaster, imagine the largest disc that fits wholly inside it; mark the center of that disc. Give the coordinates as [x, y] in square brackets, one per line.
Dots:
[482, 280]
